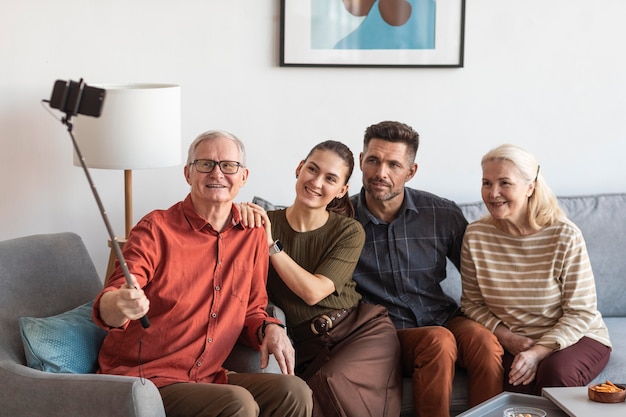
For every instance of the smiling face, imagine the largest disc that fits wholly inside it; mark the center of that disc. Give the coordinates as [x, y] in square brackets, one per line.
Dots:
[321, 178]
[215, 187]
[505, 192]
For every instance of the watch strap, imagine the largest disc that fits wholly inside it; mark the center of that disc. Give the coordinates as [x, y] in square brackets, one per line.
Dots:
[277, 247]
[267, 323]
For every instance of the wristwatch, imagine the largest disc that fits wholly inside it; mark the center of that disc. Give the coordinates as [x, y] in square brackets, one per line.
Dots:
[267, 323]
[276, 247]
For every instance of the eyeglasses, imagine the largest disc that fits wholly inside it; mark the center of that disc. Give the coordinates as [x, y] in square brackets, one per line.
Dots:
[207, 166]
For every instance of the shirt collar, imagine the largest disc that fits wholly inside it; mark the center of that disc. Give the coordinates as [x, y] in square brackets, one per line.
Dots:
[366, 216]
[198, 222]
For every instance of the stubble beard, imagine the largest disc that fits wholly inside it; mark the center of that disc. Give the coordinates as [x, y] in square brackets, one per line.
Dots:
[381, 196]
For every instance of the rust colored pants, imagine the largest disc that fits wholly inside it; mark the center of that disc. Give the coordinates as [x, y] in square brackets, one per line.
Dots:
[354, 369]
[429, 356]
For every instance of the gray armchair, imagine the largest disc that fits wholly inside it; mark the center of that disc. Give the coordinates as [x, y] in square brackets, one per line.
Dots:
[45, 275]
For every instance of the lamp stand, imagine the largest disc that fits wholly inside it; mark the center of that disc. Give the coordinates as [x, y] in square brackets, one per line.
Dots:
[128, 200]
[128, 218]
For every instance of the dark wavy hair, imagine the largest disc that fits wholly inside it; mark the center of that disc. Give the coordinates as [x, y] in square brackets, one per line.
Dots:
[341, 205]
[394, 132]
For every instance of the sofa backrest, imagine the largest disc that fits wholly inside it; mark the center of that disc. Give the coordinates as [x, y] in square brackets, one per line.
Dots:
[41, 276]
[602, 220]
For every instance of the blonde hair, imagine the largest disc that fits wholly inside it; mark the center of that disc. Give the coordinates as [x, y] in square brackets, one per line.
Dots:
[543, 206]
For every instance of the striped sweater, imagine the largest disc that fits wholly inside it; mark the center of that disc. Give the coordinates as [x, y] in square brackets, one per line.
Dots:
[540, 286]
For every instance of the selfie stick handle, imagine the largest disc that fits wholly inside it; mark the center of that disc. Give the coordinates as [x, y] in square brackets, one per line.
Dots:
[116, 246]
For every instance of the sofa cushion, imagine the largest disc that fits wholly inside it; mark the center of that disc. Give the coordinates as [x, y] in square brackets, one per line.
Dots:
[67, 343]
[267, 206]
[615, 370]
[452, 284]
[602, 220]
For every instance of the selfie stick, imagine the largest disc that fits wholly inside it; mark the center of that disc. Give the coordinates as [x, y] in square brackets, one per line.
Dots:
[116, 246]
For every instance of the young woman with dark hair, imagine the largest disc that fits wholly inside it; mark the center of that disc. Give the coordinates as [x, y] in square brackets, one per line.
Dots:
[346, 350]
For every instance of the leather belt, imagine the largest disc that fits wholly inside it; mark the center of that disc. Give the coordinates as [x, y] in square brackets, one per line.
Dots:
[320, 324]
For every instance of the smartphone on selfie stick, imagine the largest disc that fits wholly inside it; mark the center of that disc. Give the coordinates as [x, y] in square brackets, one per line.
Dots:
[76, 97]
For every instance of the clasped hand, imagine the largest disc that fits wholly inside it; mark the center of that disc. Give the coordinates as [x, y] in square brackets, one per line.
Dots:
[527, 353]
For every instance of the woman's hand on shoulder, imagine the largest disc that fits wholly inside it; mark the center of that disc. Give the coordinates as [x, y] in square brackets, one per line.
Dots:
[253, 215]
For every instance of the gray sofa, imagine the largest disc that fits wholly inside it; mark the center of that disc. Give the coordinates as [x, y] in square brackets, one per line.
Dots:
[45, 275]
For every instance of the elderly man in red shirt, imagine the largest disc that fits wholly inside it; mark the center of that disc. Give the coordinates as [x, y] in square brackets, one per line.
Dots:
[200, 276]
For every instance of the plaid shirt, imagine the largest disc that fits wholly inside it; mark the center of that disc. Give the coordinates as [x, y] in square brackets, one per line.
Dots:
[403, 262]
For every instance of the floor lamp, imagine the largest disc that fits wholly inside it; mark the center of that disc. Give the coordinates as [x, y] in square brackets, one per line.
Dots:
[139, 128]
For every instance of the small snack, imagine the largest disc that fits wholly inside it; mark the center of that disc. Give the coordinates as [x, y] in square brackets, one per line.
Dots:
[607, 386]
[606, 392]
[524, 412]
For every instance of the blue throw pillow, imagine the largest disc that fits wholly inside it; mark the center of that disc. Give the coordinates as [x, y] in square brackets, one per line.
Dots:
[67, 343]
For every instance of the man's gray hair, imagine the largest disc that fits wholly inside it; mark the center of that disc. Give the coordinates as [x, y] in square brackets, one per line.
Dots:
[212, 135]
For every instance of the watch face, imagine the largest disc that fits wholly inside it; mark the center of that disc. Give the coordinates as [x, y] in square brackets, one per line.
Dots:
[277, 247]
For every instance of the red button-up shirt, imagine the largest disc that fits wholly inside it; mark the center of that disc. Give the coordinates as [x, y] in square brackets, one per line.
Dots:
[206, 289]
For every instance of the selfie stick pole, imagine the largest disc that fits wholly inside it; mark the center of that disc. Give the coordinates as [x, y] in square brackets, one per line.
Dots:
[116, 246]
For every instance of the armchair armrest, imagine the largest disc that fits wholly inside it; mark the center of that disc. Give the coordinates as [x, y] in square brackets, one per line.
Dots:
[31, 393]
[274, 311]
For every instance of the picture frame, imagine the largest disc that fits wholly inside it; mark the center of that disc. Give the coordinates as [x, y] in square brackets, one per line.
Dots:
[375, 33]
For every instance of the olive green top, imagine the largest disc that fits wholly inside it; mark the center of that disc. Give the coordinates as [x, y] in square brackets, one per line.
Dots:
[331, 250]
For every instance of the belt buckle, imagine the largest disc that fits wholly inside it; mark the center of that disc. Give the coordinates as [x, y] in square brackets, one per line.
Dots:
[325, 326]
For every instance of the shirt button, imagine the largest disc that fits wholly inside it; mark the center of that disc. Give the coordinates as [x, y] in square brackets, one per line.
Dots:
[217, 288]
[214, 315]
[209, 340]
[198, 364]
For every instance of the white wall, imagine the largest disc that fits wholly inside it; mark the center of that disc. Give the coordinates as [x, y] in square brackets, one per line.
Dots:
[544, 74]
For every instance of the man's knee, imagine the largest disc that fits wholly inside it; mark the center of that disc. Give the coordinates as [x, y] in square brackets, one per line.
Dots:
[426, 336]
[239, 402]
[297, 397]
[426, 344]
[292, 387]
[442, 343]
[475, 340]
[199, 400]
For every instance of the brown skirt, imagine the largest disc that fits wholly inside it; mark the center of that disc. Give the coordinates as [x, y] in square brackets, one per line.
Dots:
[354, 369]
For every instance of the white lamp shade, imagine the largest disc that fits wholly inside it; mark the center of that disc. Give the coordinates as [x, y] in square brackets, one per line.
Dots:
[139, 127]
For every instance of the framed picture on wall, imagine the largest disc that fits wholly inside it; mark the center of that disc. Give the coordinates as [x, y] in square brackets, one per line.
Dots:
[372, 33]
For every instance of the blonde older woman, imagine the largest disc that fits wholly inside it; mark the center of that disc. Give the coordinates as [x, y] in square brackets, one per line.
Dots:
[527, 277]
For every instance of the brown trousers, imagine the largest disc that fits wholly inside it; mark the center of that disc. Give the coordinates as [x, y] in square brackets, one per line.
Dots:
[353, 370]
[429, 356]
[245, 395]
[574, 366]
